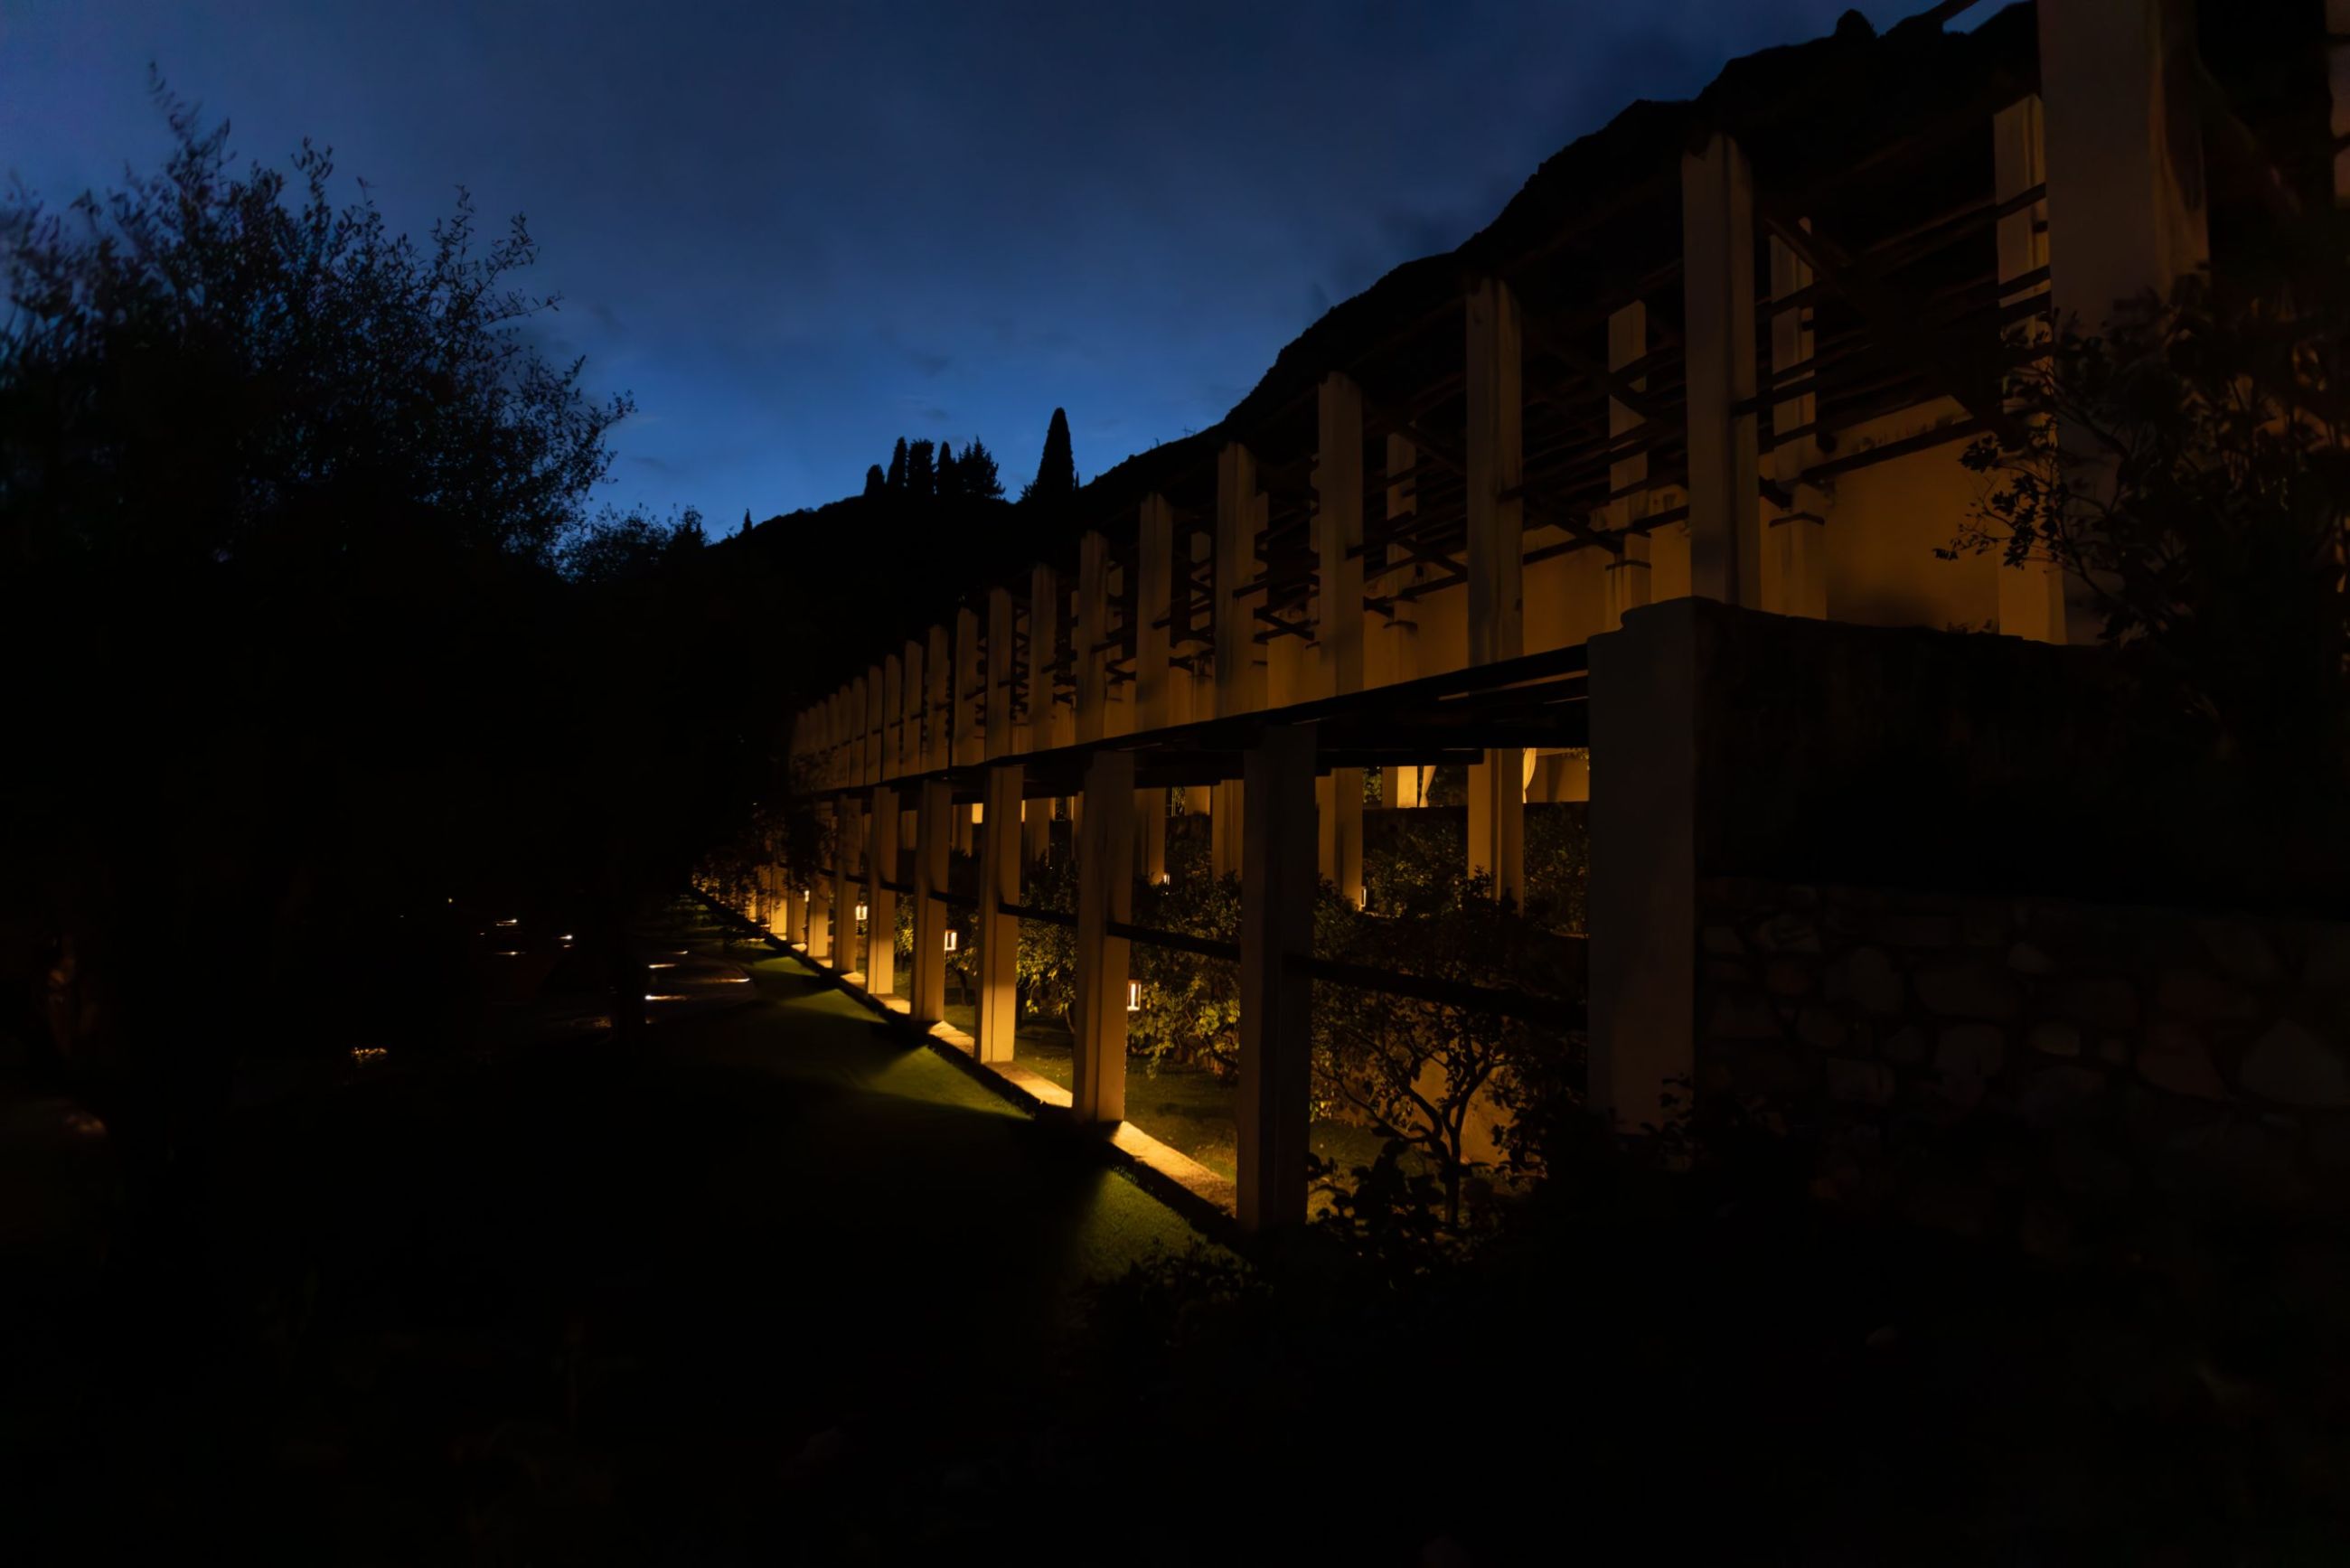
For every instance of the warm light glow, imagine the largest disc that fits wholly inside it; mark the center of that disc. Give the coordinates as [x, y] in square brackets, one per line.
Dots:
[954, 939]
[510, 922]
[735, 979]
[978, 814]
[1134, 996]
[366, 1052]
[665, 964]
[509, 952]
[860, 912]
[650, 997]
[1166, 879]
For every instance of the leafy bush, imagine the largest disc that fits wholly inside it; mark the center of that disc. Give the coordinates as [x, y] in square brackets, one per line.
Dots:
[1422, 1072]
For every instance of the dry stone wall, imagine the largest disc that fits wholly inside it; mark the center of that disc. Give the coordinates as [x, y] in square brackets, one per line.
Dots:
[2065, 1073]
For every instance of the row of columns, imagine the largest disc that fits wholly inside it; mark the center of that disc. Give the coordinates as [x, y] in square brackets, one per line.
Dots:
[1278, 880]
[2113, 141]
[2115, 146]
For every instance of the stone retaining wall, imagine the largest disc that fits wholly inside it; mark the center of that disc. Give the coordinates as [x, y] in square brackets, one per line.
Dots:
[2034, 1068]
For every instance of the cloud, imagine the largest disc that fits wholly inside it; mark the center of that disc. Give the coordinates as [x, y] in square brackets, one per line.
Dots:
[928, 363]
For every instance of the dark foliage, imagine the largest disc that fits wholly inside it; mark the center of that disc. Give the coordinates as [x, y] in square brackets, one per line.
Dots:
[2185, 469]
[331, 654]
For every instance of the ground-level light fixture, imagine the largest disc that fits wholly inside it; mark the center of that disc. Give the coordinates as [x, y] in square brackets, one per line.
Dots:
[954, 939]
[860, 912]
[1134, 996]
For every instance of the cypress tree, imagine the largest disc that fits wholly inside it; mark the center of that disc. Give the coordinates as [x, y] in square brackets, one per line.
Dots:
[875, 480]
[1057, 471]
[898, 466]
[976, 467]
[949, 474]
[921, 477]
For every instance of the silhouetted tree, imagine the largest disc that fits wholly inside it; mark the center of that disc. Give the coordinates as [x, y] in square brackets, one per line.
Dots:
[627, 546]
[876, 481]
[898, 466]
[1057, 471]
[976, 467]
[246, 425]
[950, 479]
[922, 478]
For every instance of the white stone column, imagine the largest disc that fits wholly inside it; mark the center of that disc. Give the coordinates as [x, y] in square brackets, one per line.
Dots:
[932, 832]
[1718, 281]
[910, 715]
[970, 706]
[1642, 908]
[848, 855]
[1104, 894]
[1495, 438]
[1154, 603]
[2125, 156]
[881, 901]
[999, 931]
[817, 927]
[1092, 630]
[1276, 1002]
[2031, 596]
[1338, 611]
[2124, 151]
[938, 702]
[1399, 661]
[2337, 80]
[877, 714]
[1628, 584]
[1236, 513]
[1002, 675]
[1043, 628]
[1796, 549]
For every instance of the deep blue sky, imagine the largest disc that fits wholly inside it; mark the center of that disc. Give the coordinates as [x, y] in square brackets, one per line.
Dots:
[796, 232]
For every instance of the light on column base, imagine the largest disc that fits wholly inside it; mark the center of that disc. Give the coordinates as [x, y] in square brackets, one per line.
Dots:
[1134, 996]
[954, 939]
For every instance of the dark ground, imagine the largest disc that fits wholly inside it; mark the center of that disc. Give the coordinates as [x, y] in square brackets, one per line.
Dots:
[560, 1304]
[775, 1288]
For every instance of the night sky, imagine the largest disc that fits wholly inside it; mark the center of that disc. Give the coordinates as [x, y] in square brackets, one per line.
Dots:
[795, 233]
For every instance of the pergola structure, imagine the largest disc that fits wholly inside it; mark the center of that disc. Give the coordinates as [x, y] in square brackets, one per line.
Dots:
[1729, 350]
